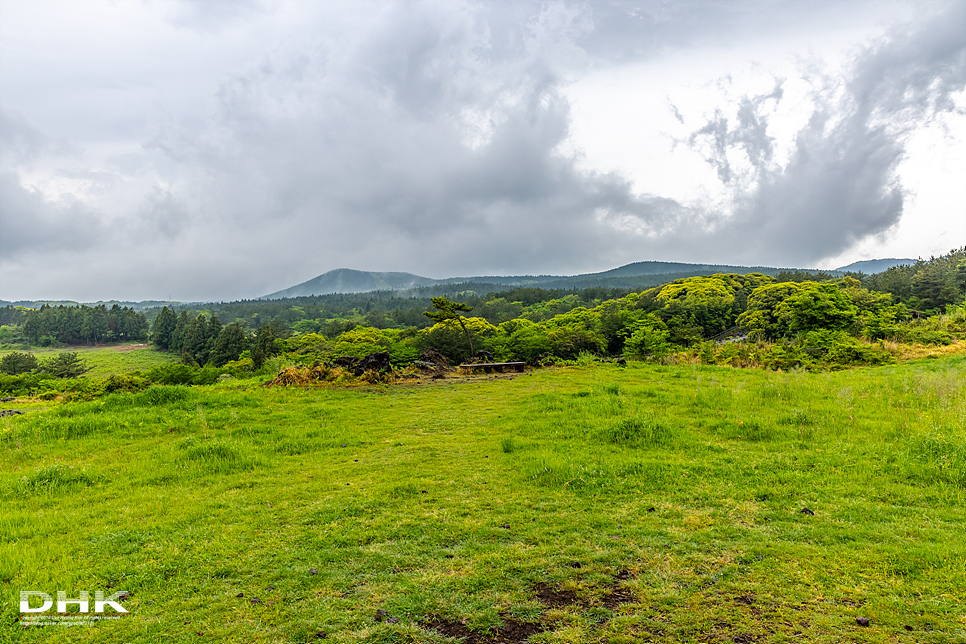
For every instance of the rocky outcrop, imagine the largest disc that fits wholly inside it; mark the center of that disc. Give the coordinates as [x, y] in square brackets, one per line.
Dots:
[378, 362]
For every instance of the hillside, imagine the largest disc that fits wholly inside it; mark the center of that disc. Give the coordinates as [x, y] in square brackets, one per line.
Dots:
[872, 266]
[344, 280]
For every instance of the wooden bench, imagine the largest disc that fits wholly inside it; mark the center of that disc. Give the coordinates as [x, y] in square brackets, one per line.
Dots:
[489, 367]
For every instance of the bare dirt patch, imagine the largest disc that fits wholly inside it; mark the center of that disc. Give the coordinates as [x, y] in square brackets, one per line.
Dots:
[510, 632]
[553, 598]
[131, 347]
[514, 632]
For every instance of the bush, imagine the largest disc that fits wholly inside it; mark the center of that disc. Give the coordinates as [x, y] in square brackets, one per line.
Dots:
[856, 354]
[18, 362]
[920, 334]
[839, 349]
[240, 367]
[124, 382]
[207, 375]
[171, 374]
[21, 385]
[64, 365]
[781, 357]
[568, 342]
[648, 339]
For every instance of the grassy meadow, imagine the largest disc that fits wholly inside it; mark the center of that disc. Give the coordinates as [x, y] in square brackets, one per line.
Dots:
[107, 360]
[581, 504]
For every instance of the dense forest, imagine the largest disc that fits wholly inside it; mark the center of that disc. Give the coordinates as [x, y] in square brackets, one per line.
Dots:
[796, 318]
[50, 325]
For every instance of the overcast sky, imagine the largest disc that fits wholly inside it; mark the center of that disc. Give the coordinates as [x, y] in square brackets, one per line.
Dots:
[208, 150]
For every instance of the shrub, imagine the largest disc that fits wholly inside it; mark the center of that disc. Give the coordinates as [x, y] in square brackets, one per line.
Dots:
[18, 362]
[648, 339]
[125, 382]
[782, 357]
[207, 375]
[856, 354]
[64, 365]
[240, 367]
[568, 342]
[21, 385]
[919, 334]
[171, 374]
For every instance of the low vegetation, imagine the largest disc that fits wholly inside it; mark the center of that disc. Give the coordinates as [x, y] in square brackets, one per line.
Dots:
[588, 503]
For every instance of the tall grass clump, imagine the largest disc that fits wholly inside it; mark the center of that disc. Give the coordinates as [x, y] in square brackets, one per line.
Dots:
[217, 456]
[750, 429]
[641, 432]
[599, 475]
[54, 478]
[942, 454]
[507, 445]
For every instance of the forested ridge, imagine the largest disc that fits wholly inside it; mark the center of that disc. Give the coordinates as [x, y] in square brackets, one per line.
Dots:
[791, 319]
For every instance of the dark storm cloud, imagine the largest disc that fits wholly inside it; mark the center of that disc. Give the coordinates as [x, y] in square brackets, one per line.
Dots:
[31, 225]
[425, 147]
[375, 155]
[379, 153]
[840, 184]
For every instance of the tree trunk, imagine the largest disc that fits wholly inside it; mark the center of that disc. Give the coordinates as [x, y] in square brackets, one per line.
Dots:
[468, 337]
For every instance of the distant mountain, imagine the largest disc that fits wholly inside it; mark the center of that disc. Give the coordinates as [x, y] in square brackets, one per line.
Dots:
[638, 274]
[872, 266]
[346, 280]
[661, 268]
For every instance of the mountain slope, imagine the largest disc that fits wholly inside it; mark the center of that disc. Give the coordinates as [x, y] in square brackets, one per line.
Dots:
[347, 280]
[643, 274]
[873, 266]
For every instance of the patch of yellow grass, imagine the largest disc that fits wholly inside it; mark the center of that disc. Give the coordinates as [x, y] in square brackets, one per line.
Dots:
[906, 352]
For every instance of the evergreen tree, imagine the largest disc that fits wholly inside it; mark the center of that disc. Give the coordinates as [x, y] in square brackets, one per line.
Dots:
[164, 327]
[194, 347]
[230, 343]
[180, 329]
[449, 310]
[264, 346]
[64, 365]
[211, 336]
[18, 362]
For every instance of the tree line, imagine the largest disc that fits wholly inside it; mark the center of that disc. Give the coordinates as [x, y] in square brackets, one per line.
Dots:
[80, 324]
[928, 285]
[203, 340]
[525, 322]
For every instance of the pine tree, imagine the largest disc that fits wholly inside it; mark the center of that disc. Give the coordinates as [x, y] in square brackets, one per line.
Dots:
[449, 310]
[164, 326]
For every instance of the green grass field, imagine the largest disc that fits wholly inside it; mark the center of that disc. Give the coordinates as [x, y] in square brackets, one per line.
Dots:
[597, 503]
[110, 359]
